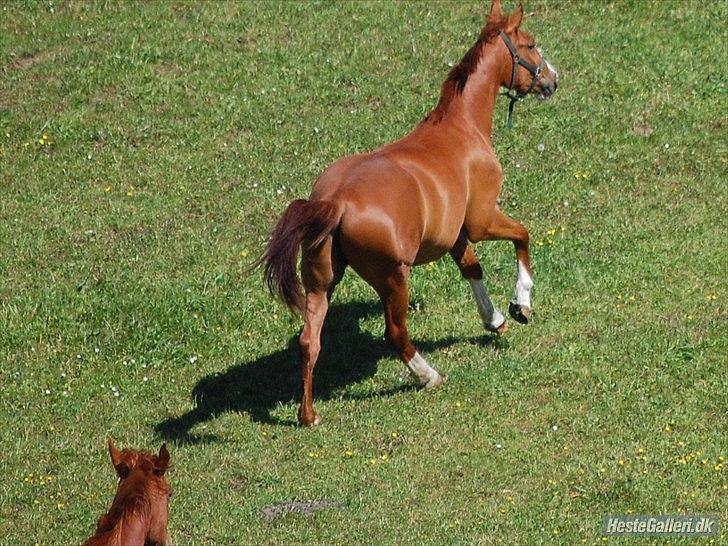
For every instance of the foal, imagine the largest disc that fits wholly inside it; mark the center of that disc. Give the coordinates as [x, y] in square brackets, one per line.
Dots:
[138, 515]
[410, 202]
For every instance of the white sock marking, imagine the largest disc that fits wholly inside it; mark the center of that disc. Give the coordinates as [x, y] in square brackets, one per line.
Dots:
[423, 372]
[492, 317]
[524, 283]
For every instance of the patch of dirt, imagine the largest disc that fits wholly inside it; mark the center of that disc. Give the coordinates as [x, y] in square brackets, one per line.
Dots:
[642, 129]
[25, 61]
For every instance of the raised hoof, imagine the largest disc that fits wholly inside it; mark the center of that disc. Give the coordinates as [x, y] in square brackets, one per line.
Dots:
[520, 313]
[307, 421]
[500, 330]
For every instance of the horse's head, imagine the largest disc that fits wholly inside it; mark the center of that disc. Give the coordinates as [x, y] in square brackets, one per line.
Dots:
[529, 71]
[141, 472]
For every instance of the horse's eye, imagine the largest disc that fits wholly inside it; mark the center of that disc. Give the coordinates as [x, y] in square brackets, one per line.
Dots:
[122, 470]
[532, 46]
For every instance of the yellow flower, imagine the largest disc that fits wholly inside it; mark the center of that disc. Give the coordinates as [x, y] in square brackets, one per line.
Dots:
[349, 453]
[620, 462]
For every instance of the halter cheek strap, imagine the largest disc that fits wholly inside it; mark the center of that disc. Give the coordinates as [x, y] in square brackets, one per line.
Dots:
[518, 61]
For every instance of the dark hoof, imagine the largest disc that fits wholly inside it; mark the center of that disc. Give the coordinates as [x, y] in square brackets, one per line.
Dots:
[520, 313]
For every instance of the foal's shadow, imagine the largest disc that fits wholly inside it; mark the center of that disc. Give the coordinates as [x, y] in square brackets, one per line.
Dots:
[348, 356]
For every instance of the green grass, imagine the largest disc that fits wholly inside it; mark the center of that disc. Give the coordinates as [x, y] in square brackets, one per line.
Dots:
[176, 133]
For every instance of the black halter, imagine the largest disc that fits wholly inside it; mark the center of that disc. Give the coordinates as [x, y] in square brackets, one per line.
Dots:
[532, 68]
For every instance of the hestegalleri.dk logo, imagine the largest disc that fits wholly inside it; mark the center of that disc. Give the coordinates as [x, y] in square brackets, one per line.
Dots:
[699, 525]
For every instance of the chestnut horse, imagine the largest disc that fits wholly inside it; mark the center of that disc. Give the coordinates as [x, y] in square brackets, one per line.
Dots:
[138, 515]
[410, 202]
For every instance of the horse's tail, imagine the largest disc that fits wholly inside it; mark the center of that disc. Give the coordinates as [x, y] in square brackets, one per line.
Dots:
[303, 222]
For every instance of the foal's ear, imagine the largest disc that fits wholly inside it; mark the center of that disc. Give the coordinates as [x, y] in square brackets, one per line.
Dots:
[122, 470]
[115, 453]
[496, 11]
[514, 20]
[162, 461]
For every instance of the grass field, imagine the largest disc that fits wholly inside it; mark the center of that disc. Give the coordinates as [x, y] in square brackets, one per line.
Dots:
[147, 148]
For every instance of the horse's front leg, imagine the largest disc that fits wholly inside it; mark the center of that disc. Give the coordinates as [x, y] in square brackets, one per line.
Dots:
[463, 255]
[503, 227]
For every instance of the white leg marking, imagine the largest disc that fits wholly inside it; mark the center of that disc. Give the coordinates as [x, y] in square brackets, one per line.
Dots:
[492, 317]
[524, 283]
[424, 374]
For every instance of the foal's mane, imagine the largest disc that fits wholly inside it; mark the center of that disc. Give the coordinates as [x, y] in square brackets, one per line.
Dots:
[133, 499]
[459, 74]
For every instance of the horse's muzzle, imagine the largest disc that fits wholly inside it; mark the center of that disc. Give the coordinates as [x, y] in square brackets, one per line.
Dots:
[546, 88]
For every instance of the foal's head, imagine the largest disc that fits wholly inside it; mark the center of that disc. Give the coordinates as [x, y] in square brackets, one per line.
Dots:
[140, 509]
[530, 72]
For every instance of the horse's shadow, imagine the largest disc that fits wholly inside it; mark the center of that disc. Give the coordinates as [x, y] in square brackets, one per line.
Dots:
[347, 357]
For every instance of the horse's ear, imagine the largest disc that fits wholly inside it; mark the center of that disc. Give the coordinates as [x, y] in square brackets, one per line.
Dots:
[114, 453]
[514, 20]
[162, 461]
[496, 11]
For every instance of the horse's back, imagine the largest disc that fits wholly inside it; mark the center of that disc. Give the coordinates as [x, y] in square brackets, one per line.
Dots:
[399, 203]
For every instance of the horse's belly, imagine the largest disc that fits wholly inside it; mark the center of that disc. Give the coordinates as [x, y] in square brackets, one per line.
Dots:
[430, 253]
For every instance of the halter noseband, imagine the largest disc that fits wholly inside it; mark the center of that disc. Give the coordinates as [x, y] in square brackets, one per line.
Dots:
[518, 61]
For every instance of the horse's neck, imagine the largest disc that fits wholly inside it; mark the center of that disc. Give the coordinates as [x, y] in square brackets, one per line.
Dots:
[130, 528]
[481, 91]
[126, 520]
[475, 105]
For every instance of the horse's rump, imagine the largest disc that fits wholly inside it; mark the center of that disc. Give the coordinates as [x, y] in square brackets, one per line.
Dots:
[303, 222]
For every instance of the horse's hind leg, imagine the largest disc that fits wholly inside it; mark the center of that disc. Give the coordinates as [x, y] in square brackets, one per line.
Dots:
[321, 270]
[467, 262]
[392, 290]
